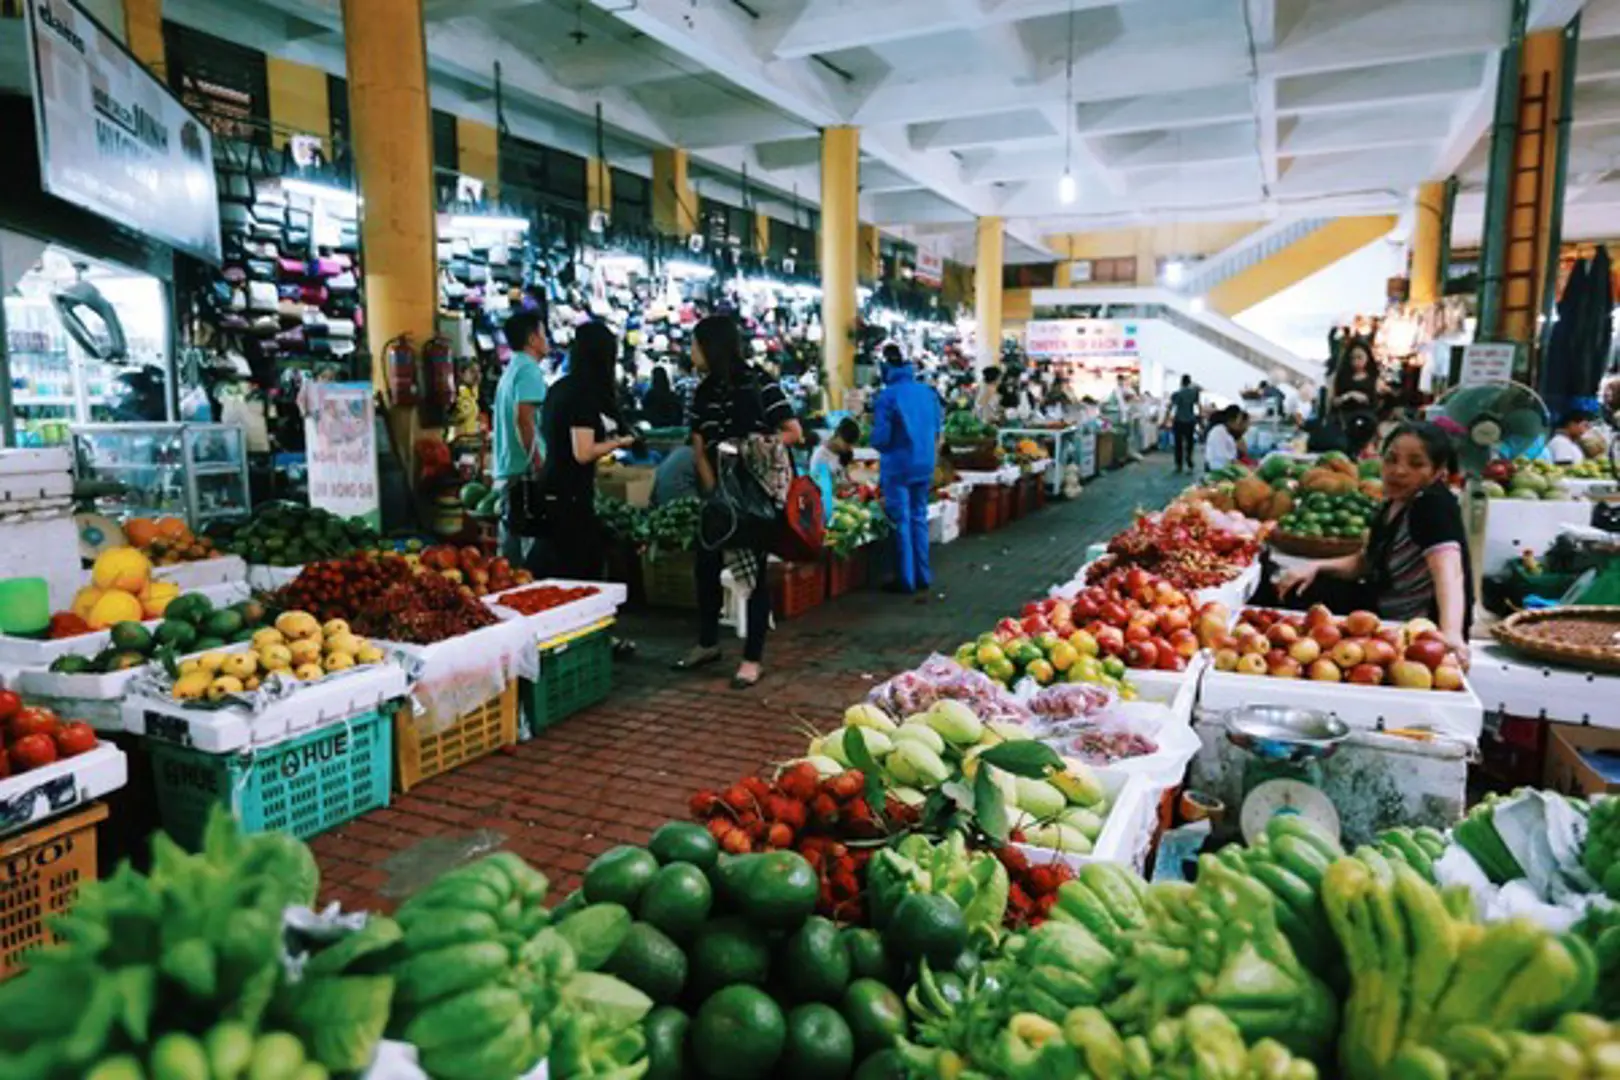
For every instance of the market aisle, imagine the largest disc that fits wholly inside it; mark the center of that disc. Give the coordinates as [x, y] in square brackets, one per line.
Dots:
[611, 774]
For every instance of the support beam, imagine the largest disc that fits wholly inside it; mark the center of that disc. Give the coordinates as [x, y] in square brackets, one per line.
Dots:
[1260, 24]
[478, 151]
[674, 203]
[1427, 241]
[1407, 83]
[987, 271]
[840, 205]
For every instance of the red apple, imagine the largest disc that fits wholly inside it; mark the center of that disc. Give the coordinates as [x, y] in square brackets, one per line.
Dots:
[1360, 624]
[1086, 606]
[1062, 627]
[1448, 677]
[1173, 619]
[1381, 652]
[1411, 675]
[1253, 644]
[1210, 629]
[1141, 655]
[1185, 643]
[1349, 652]
[1114, 614]
[1169, 659]
[1366, 675]
[1326, 634]
[1306, 651]
[1032, 608]
[1286, 668]
[1217, 609]
[1145, 617]
[1137, 579]
[1060, 611]
[1226, 659]
[1251, 664]
[1110, 640]
[1282, 633]
[1319, 615]
[1138, 632]
[1417, 627]
[1324, 670]
[1036, 624]
[1010, 627]
[1430, 652]
[1391, 635]
[1275, 656]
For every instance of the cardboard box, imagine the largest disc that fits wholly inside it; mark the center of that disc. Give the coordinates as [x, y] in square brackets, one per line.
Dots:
[1570, 767]
[632, 484]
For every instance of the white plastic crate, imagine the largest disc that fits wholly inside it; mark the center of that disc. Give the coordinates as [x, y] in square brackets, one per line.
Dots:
[1127, 831]
[222, 570]
[945, 525]
[1457, 714]
[31, 797]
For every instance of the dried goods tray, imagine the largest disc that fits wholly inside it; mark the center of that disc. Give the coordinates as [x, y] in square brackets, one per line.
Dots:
[220, 570]
[1530, 632]
[31, 797]
[565, 618]
[1315, 547]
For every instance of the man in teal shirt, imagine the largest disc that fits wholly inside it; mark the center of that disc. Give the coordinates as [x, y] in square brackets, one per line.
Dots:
[516, 419]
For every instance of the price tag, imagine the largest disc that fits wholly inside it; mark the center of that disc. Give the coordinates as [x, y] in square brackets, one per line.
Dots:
[1487, 362]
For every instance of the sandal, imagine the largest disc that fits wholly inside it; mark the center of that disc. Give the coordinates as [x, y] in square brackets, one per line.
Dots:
[698, 657]
[740, 683]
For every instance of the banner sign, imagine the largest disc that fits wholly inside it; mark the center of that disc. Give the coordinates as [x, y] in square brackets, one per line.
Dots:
[1487, 362]
[930, 268]
[1099, 342]
[340, 443]
[112, 139]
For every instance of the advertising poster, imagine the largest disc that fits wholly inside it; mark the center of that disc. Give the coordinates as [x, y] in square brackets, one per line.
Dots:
[340, 442]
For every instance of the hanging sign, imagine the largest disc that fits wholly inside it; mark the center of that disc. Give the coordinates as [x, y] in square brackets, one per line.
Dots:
[930, 268]
[340, 441]
[112, 139]
[1487, 362]
[1084, 340]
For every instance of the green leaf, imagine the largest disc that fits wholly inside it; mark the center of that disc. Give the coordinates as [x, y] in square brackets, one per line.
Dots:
[1026, 758]
[958, 793]
[989, 808]
[861, 758]
[137, 987]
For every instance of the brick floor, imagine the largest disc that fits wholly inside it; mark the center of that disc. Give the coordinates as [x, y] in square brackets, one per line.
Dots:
[611, 774]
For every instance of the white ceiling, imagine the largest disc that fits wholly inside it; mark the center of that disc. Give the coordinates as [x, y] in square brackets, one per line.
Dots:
[1183, 109]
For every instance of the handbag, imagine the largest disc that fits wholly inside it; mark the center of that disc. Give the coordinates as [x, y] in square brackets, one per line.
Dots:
[804, 523]
[261, 296]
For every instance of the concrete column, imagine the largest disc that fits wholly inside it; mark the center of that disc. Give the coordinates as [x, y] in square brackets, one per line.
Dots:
[299, 102]
[987, 289]
[840, 224]
[868, 254]
[143, 32]
[391, 127]
[1425, 284]
[478, 151]
[674, 203]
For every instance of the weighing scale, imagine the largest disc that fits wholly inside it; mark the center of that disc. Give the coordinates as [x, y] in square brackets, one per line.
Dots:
[1283, 774]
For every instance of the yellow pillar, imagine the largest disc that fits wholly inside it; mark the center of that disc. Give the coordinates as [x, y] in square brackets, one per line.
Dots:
[762, 234]
[478, 151]
[143, 32]
[868, 254]
[1541, 72]
[674, 203]
[987, 289]
[299, 103]
[598, 185]
[393, 152]
[1425, 286]
[840, 221]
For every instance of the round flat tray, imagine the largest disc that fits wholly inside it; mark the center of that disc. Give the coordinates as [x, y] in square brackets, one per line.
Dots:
[1313, 547]
[1518, 632]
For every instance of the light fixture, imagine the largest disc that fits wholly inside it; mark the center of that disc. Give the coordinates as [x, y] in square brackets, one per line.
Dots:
[1197, 303]
[318, 191]
[1068, 190]
[680, 268]
[483, 223]
[1174, 272]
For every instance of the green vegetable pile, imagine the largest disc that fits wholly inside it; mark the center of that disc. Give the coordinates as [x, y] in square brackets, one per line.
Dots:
[1477, 835]
[622, 521]
[1319, 514]
[974, 883]
[292, 534]
[1601, 857]
[855, 524]
[961, 426]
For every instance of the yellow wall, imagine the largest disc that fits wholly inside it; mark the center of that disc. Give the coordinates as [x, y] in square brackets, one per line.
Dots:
[478, 154]
[1146, 245]
[143, 32]
[762, 233]
[298, 102]
[1312, 252]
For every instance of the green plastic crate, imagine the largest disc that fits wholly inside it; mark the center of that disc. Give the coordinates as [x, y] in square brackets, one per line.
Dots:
[573, 675]
[304, 786]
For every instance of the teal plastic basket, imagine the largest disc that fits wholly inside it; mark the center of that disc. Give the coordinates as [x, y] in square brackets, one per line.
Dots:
[573, 676]
[304, 786]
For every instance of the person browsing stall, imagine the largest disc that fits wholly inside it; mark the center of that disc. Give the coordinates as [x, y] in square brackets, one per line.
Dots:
[906, 425]
[1183, 421]
[1223, 445]
[1564, 448]
[829, 462]
[1415, 564]
[515, 421]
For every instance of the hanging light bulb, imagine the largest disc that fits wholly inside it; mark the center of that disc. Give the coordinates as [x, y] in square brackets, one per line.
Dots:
[1068, 190]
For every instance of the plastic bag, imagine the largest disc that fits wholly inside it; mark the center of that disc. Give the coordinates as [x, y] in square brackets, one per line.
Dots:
[941, 677]
[1071, 701]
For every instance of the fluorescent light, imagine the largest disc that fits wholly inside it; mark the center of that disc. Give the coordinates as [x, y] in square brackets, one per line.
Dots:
[319, 191]
[684, 269]
[1174, 272]
[481, 223]
[1068, 190]
[1197, 303]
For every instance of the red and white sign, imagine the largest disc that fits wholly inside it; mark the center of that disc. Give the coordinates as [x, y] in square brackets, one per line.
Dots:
[930, 267]
[1091, 341]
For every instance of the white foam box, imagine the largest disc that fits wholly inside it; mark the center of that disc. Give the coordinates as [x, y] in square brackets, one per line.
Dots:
[50, 459]
[267, 578]
[45, 546]
[33, 796]
[80, 693]
[222, 570]
[1456, 714]
[1127, 831]
[1177, 689]
[39, 652]
[235, 727]
[566, 618]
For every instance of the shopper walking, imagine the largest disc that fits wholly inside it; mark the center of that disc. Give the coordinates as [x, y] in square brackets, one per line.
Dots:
[516, 424]
[580, 426]
[906, 426]
[1184, 421]
[734, 408]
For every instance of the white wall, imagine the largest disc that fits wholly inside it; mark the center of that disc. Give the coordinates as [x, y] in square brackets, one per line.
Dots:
[1179, 353]
[1299, 317]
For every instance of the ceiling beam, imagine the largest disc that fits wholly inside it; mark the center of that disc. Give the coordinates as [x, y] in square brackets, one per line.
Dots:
[1367, 130]
[1597, 60]
[1340, 36]
[1413, 82]
[975, 131]
[708, 130]
[825, 26]
[1260, 24]
[1222, 142]
[1161, 112]
[1469, 122]
[439, 10]
[790, 153]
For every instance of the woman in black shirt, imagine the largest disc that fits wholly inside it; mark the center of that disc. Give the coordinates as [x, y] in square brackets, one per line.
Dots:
[661, 407]
[579, 423]
[734, 401]
[1354, 400]
[1415, 564]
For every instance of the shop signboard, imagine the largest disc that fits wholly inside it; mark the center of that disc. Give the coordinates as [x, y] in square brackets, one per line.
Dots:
[1090, 342]
[1487, 362]
[930, 268]
[112, 139]
[340, 441]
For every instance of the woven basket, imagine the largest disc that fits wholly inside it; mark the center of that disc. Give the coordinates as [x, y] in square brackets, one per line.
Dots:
[1513, 633]
[1314, 547]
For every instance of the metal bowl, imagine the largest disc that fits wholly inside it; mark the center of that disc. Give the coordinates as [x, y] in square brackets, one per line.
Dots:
[1283, 733]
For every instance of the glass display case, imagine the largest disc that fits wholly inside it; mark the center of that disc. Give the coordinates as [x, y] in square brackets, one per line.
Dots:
[198, 471]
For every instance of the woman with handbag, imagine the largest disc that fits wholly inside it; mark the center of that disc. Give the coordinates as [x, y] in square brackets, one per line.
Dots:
[742, 424]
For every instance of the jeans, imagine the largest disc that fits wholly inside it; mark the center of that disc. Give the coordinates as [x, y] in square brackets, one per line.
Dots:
[514, 547]
[710, 596]
[1186, 433]
[907, 505]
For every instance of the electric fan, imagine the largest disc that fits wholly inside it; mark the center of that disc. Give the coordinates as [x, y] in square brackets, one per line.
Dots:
[1495, 419]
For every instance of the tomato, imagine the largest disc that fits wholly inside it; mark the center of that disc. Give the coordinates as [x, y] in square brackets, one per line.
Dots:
[33, 720]
[32, 751]
[10, 704]
[75, 737]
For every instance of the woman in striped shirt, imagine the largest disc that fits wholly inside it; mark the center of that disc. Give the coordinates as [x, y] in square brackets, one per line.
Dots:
[1415, 564]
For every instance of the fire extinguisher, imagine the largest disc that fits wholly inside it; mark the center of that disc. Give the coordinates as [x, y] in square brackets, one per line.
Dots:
[439, 376]
[399, 360]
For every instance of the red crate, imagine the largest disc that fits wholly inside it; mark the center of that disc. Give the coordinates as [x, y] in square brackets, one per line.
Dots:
[1011, 510]
[797, 587]
[1027, 499]
[845, 575]
[984, 509]
[1040, 492]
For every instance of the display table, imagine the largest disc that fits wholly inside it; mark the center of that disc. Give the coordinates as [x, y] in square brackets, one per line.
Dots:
[1513, 684]
[1514, 526]
[1060, 437]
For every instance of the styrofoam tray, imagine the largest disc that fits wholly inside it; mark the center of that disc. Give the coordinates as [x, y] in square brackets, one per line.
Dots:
[105, 686]
[38, 794]
[1458, 715]
[45, 460]
[35, 487]
[1127, 831]
[266, 578]
[219, 731]
[604, 604]
[222, 570]
[1178, 689]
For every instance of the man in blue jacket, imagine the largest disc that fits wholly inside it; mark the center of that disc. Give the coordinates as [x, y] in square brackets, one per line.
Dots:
[905, 431]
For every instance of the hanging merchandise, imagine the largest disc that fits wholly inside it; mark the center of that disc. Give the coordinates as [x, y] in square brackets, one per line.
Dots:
[399, 360]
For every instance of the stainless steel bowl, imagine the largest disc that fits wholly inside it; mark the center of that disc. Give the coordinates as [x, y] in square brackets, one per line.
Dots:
[1283, 733]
